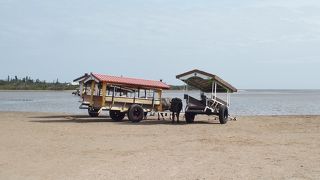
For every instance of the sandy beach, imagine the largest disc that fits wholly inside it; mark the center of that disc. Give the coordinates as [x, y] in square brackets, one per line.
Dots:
[62, 146]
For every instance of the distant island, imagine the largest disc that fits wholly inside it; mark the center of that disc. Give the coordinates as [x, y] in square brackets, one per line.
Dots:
[181, 87]
[26, 83]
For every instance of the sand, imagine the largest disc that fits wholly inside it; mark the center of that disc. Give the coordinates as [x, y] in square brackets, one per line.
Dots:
[61, 146]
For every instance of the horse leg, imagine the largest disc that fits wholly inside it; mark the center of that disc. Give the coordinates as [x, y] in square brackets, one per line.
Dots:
[173, 114]
[178, 116]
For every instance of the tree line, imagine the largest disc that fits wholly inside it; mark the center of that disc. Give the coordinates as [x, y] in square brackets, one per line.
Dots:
[27, 83]
[181, 87]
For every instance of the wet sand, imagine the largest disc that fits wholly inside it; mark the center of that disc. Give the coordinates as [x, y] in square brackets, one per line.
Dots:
[61, 146]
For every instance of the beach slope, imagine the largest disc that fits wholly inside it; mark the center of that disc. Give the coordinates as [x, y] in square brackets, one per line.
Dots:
[62, 146]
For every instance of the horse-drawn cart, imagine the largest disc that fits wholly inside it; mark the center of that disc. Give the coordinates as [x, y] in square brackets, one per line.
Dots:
[120, 96]
[210, 85]
[135, 98]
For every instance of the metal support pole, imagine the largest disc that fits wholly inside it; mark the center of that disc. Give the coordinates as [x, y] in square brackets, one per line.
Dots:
[215, 91]
[212, 89]
[228, 98]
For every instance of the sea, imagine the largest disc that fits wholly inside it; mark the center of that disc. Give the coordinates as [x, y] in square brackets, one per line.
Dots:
[243, 103]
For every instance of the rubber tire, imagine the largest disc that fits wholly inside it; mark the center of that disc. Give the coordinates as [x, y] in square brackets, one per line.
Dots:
[93, 112]
[223, 114]
[190, 117]
[117, 115]
[135, 113]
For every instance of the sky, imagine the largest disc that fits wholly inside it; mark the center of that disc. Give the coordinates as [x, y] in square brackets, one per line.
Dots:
[252, 44]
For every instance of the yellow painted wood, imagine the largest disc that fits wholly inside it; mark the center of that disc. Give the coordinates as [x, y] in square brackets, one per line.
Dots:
[93, 84]
[81, 89]
[104, 93]
[127, 100]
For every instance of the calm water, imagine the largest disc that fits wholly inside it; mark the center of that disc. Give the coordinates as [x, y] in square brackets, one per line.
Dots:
[246, 102]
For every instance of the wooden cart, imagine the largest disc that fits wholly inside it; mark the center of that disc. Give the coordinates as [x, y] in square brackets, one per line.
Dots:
[120, 96]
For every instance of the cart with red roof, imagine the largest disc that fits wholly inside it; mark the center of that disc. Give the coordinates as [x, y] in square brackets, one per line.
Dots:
[120, 96]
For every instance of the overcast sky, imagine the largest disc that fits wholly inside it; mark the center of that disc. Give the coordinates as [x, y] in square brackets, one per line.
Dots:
[249, 43]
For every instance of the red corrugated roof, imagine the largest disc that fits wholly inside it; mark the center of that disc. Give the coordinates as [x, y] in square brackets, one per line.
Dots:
[130, 81]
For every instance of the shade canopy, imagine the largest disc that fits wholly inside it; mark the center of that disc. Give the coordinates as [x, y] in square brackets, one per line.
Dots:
[82, 78]
[125, 81]
[204, 81]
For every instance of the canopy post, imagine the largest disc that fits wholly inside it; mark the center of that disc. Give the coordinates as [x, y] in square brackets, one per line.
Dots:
[228, 98]
[104, 93]
[215, 90]
[113, 94]
[85, 88]
[160, 97]
[212, 89]
[134, 96]
[81, 89]
[93, 83]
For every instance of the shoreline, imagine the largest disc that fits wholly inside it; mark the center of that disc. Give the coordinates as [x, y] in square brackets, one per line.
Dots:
[181, 114]
[34, 90]
[183, 90]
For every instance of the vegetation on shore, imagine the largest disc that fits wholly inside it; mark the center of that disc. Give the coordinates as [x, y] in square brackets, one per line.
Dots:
[181, 87]
[27, 83]
[173, 87]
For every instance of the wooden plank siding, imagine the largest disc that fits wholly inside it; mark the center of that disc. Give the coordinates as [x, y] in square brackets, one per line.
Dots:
[120, 103]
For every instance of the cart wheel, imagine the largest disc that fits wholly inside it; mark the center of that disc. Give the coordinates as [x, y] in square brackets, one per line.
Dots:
[135, 113]
[93, 112]
[117, 115]
[223, 114]
[190, 117]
